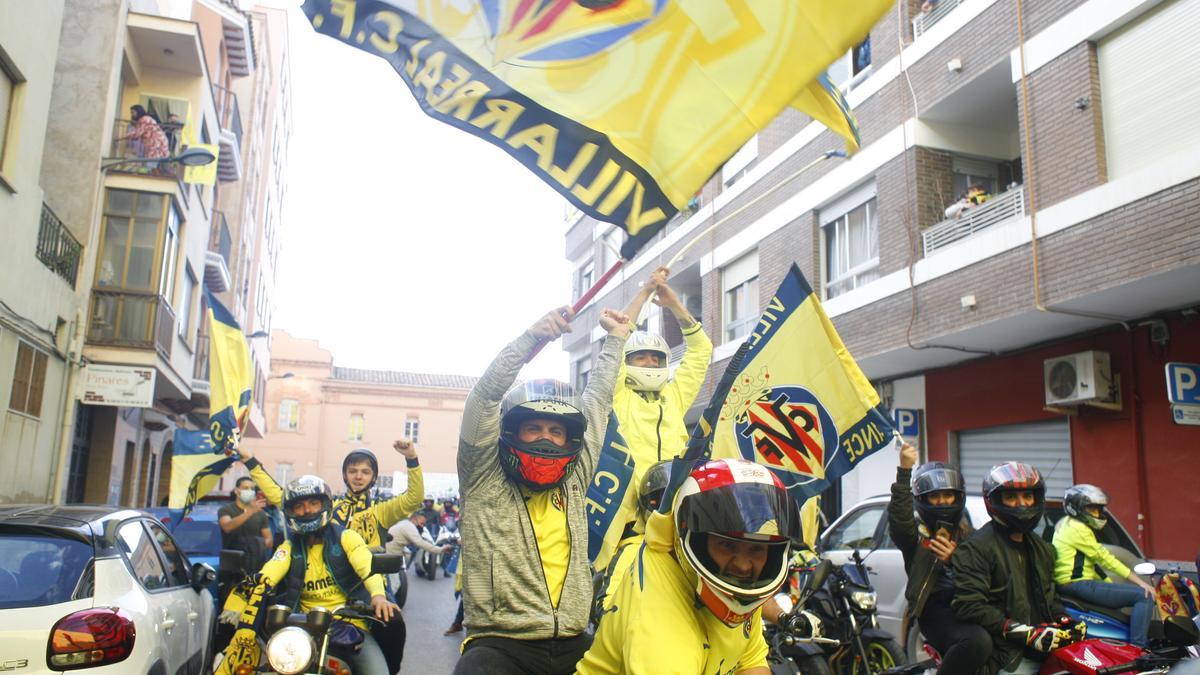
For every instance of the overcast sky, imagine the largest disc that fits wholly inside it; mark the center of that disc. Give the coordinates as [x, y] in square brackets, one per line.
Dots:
[408, 245]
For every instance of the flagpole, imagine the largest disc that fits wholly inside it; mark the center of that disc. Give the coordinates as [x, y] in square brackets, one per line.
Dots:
[583, 301]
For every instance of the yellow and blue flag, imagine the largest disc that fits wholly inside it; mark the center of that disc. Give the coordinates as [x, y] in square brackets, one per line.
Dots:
[230, 377]
[796, 401]
[625, 107]
[196, 467]
[611, 480]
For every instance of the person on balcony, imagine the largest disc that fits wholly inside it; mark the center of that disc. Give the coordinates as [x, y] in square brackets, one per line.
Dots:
[145, 137]
[974, 196]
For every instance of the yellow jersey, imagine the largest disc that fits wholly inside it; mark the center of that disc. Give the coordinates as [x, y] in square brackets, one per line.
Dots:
[548, 516]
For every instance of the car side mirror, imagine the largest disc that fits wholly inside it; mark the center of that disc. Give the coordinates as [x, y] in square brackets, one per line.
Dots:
[386, 563]
[202, 576]
[1144, 569]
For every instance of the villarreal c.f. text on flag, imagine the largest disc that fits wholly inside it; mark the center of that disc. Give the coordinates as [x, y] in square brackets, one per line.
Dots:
[625, 107]
[799, 404]
[606, 494]
[230, 377]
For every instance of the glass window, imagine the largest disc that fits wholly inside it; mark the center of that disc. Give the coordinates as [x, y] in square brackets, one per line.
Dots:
[166, 282]
[143, 557]
[357, 427]
[8, 87]
[856, 531]
[284, 472]
[177, 567]
[38, 568]
[583, 369]
[739, 280]
[737, 165]
[289, 414]
[29, 381]
[412, 429]
[852, 250]
[129, 257]
[587, 277]
[185, 305]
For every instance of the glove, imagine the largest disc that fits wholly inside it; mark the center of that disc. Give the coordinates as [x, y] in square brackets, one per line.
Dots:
[1044, 637]
[1076, 631]
[230, 617]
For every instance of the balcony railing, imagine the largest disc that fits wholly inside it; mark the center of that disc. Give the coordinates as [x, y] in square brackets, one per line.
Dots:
[925, 21]
[136, 149]
[1002, 207]
[131, 319]
[221, 242]
[57, 248]
[229, 111]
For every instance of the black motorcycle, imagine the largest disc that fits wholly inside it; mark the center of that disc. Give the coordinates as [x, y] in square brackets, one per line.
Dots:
[795, 643]
[846, 608]
[319, 642]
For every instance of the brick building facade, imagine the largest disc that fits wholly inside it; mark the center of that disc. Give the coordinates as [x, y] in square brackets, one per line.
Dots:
[1090, 241]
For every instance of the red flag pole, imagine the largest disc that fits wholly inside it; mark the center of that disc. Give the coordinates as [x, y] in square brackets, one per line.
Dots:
[584, 300]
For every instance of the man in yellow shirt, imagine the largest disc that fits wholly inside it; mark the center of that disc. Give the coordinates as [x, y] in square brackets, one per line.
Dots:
[691, 601]
[649, 403]
[321, 564]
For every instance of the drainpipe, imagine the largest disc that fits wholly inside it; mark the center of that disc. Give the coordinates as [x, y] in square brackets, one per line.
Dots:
[67, 429]
[1135, 425]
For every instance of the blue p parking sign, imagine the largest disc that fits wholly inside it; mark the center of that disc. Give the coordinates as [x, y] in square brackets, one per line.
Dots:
[1183, 383]
[907, 421]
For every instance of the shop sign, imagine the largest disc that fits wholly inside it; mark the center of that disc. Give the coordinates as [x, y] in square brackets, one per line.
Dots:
[125, 386]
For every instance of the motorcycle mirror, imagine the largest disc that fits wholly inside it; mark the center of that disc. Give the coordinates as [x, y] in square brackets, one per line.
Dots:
[784, 601]
[820, 573]
[1144, 569]
[386, 563]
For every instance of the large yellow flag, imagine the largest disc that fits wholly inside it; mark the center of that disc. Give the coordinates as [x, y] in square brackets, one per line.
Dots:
[625, 107]
[230, 377]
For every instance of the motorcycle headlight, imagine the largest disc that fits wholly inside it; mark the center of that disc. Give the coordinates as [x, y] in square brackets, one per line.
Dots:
[864, 600]
[290, 650]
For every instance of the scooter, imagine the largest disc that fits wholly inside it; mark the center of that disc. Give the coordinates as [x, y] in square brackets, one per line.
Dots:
[451, 537]
[292, 648]
[428, 563]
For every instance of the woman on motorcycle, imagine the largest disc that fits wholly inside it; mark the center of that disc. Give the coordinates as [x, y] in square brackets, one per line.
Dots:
[935, 492]
[1079, 569]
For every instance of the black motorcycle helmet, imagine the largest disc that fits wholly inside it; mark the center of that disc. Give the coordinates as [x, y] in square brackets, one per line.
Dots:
[654, 485]
[936, 477]
[540, 465]
[359, 455]
[1014, 477]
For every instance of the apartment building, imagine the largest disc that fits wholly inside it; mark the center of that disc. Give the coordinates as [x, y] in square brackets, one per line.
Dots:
[147, 232]
[1035, 325]
[319, 412]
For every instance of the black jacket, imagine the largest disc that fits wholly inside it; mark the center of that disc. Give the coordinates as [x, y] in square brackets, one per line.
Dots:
[921, 565]
[994, 582]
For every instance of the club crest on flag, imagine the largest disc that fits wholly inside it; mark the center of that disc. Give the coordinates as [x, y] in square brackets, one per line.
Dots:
[788, 429]
[561, 30]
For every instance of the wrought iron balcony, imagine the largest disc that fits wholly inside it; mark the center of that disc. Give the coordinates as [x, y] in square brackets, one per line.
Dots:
[1002, 207]
[57, 248]
[134, 319]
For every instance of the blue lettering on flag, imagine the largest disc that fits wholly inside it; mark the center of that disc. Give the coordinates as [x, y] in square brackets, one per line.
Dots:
[614, 473]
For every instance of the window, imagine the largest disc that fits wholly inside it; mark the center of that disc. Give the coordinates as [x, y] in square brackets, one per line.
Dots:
[844, 72]
[739, 281]
[284, 472]
[851, 249]
[177, 569]
[131, 249]
[968, 172]
[289, 415]
[29, 381]
[185, 304]
[587, 277]
[10, 82]
[856, 531]
[412, 429]
[739, 164]
[143, 557]
[583, 368]
[357, 427]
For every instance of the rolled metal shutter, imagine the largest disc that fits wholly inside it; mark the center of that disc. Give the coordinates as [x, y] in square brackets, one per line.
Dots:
[1045, 445]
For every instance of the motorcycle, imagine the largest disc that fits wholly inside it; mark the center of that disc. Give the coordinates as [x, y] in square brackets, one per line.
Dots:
[319, 642]
[846, 608]
[1110, 623]
[449, 536]
[794, 642]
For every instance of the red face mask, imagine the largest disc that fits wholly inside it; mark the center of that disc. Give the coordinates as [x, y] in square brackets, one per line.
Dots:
[547, 471]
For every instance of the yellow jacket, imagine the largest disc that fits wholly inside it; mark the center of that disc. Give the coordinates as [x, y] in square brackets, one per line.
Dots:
[1079, 556]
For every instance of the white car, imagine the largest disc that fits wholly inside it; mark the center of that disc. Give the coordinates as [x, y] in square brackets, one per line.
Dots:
[99, 589]
[863, 527]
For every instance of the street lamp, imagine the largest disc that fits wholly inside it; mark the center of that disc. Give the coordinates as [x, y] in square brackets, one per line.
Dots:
[188, 157]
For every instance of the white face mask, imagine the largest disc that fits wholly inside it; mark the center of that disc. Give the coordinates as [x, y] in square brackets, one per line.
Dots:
[246, 496]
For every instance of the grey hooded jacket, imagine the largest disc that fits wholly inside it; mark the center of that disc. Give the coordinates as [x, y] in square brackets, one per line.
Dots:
[504, 588]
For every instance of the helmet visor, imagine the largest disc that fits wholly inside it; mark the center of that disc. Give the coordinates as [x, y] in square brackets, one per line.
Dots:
[937, 478]
[746, 509]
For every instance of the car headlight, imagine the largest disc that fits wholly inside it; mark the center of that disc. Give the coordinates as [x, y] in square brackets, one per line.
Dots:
[864, 600]
[290, 650]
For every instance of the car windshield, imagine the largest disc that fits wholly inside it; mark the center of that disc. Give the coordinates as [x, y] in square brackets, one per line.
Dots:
[199, 538]
[40, 568]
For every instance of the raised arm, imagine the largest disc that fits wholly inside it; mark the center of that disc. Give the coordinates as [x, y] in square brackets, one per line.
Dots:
[634, 309]
[265, 482]
[480, 429]
[902, 526]
[597, 397]
[401, 506]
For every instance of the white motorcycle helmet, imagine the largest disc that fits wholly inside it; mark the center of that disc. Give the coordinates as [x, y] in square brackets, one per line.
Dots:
[643, 378]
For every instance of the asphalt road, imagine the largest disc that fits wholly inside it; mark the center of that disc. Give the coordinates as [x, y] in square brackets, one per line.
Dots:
[428, 612]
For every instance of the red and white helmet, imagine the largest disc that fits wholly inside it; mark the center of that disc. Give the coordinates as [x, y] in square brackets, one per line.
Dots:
[739, 500]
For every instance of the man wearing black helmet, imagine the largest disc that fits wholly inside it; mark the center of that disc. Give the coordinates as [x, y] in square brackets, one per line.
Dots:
[927, 540]
[525, 459]
[1004, 573]
[322, 564]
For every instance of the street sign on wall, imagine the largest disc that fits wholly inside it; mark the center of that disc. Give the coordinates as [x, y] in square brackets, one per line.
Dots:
[907, 421]
[1183, 383]
[126, 386]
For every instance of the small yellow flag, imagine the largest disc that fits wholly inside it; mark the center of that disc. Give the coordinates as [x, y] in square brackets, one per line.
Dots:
[206, 174]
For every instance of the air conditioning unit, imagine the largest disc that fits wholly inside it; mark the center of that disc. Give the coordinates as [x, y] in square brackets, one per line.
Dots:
[1084, 377]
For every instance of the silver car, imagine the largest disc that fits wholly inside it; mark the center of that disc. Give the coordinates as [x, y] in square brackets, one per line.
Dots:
[864, 527]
